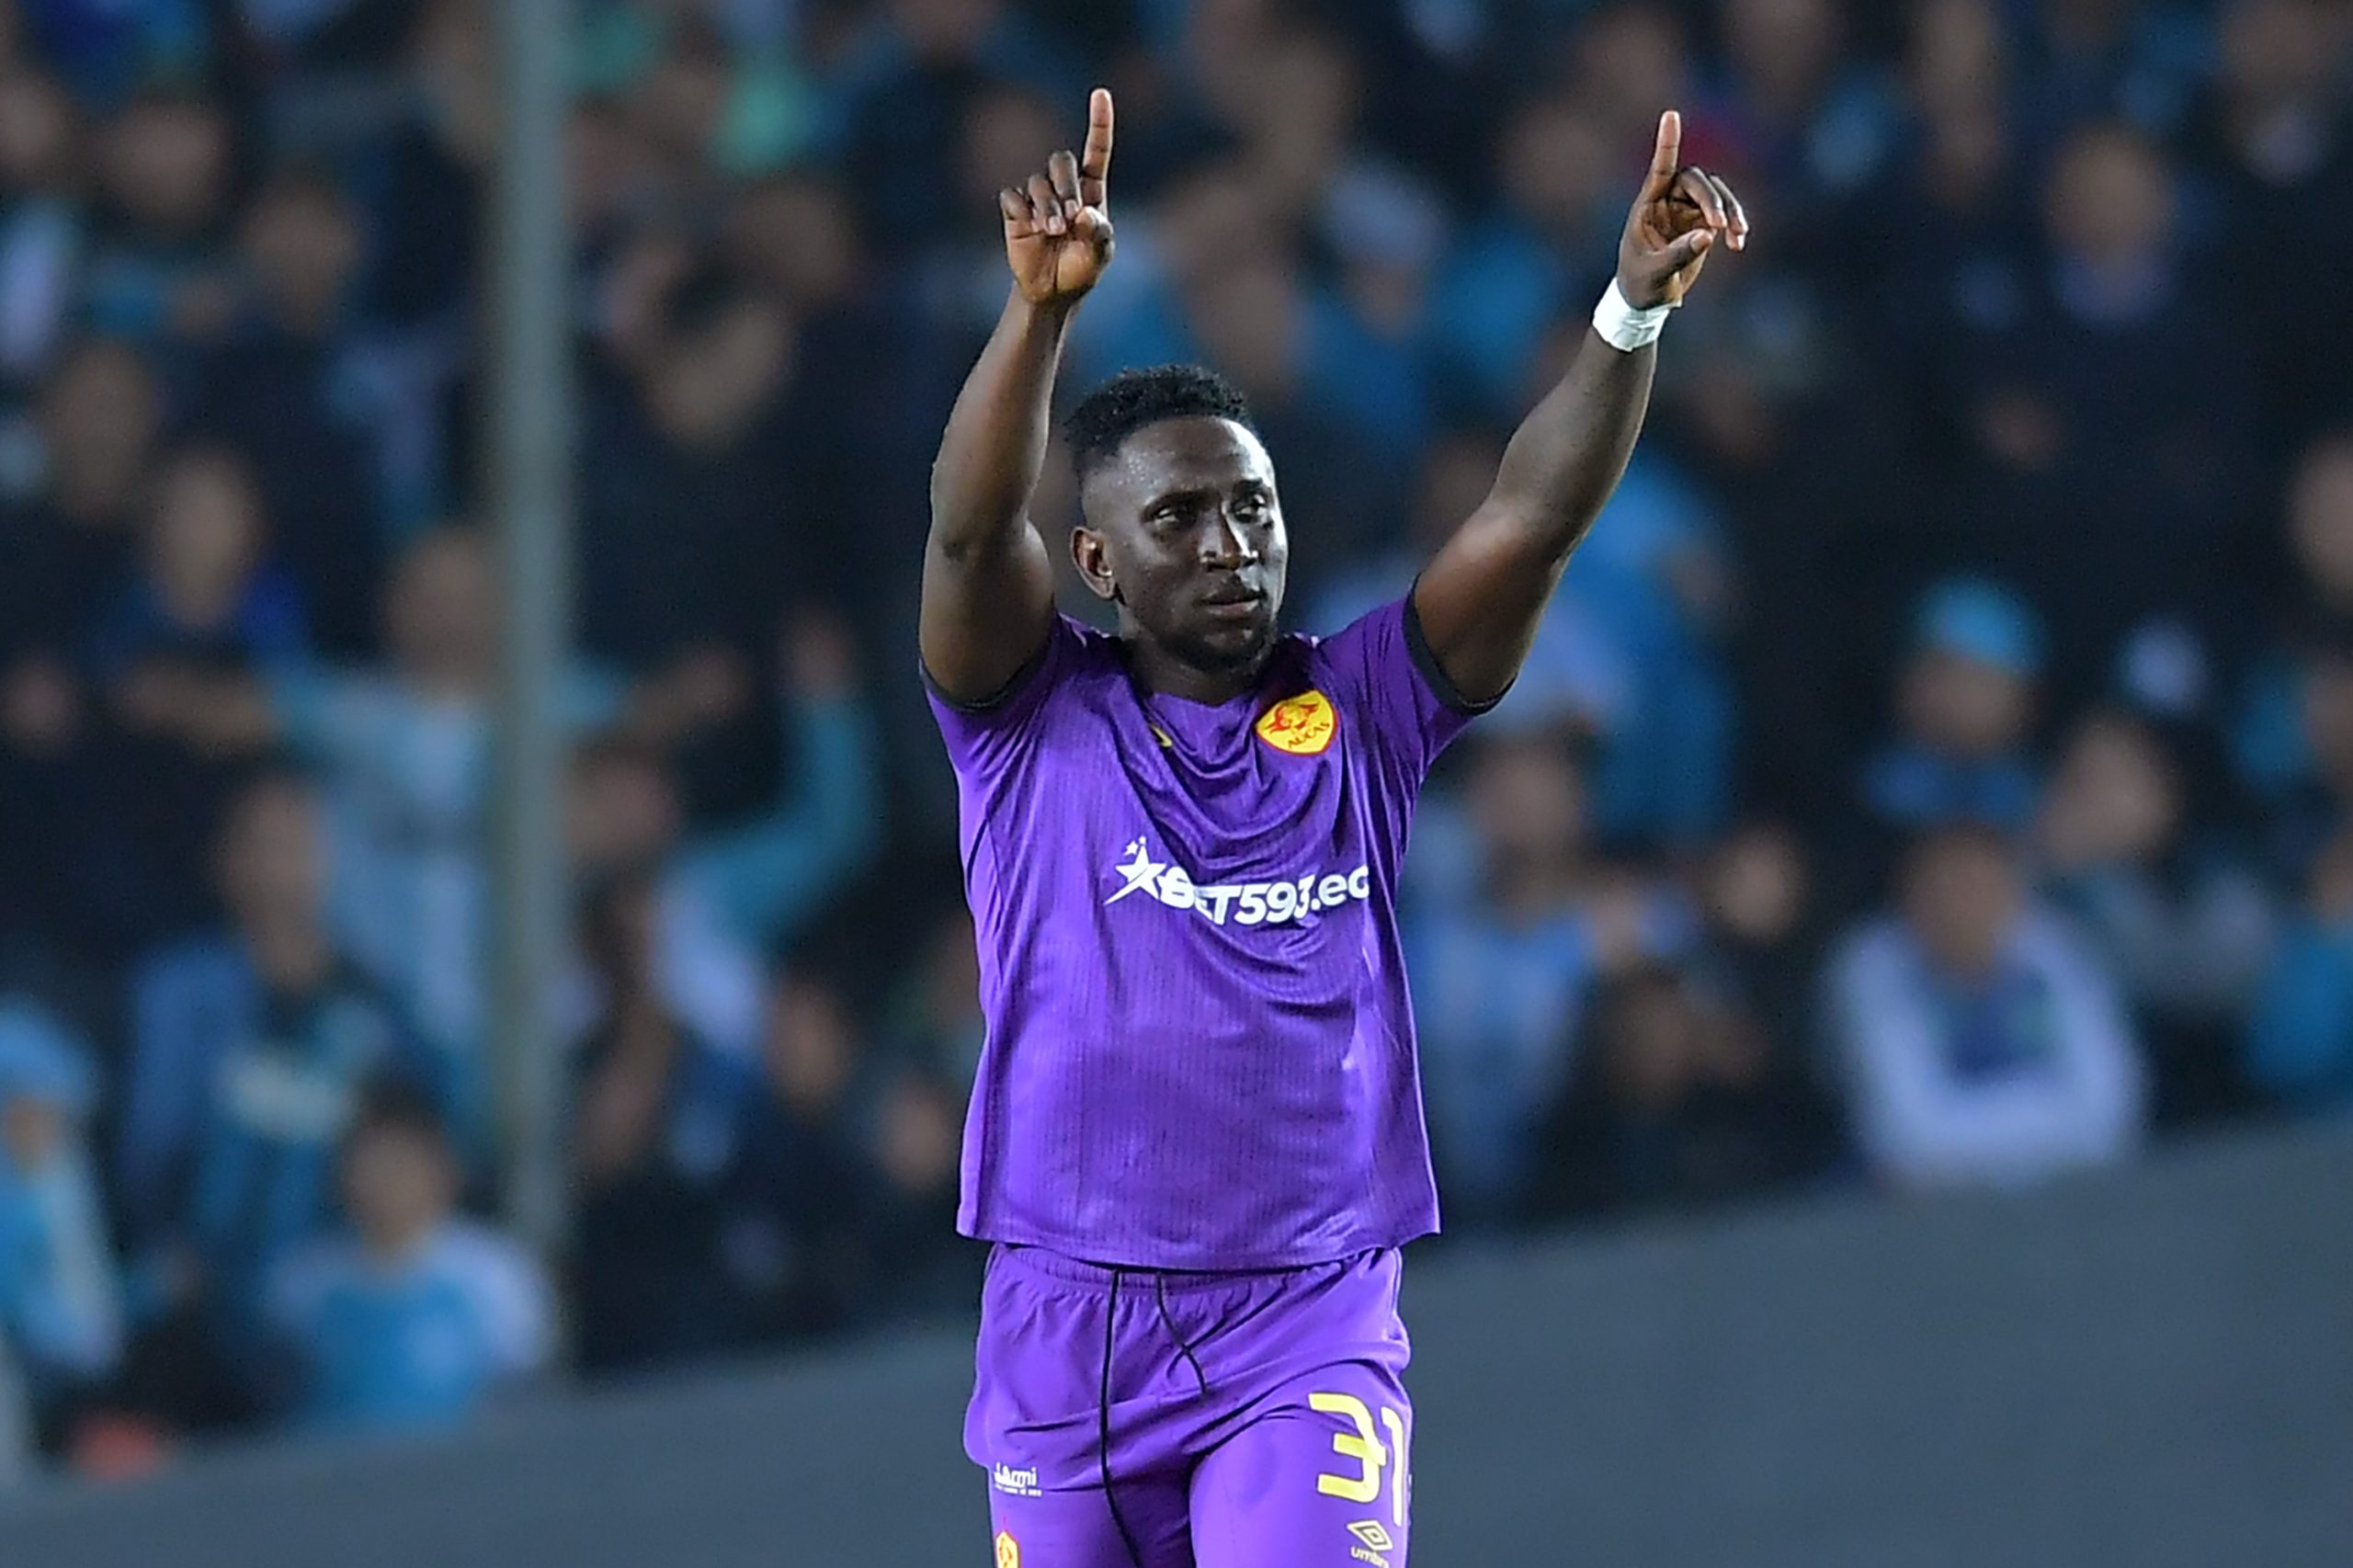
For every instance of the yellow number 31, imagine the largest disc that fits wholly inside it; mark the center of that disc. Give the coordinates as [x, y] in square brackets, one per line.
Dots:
[1364, 1445]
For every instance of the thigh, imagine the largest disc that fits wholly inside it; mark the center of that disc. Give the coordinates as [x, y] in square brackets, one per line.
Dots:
[1319, 1477]
[1075, 1528]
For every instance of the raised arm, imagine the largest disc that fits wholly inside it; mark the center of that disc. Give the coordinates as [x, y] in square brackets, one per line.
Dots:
[1480, 599]
[988, 582]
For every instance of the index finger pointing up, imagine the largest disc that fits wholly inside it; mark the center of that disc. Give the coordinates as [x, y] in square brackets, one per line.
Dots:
[1667, 158]
[1094, 162]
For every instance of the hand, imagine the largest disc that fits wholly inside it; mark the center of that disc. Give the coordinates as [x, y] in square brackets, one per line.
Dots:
[1676, 220]
[1058, 232]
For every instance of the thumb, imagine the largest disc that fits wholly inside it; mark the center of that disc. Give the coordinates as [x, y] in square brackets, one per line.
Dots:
[1686, 249]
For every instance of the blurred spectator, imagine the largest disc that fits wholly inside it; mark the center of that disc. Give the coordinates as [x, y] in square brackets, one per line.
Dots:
[2273, 741]
[417, 1317]
[2185, 927]
[1549, 237]
[1502, 973]
[938, 1021]
[42, 225]
[655, 1134]
[1979, 1045]
[1761, 925]
[70, 525]
[794, 1244]
[1965, 711]
[2107, 509]
[919, 1266]
[2277, 141]
[60, 1311]
[206, 596]
[2298, 1043]
[251, 1048]
[730, 893]
[1681, 1101]
[285, 387]
[158, 270]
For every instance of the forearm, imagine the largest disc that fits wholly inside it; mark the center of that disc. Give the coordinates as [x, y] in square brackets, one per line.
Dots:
[1568, 455]
[995, 447]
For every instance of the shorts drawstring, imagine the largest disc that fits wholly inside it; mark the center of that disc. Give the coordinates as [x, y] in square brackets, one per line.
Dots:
[1103, 1427]
[1103, 1406]
[1160, 1300]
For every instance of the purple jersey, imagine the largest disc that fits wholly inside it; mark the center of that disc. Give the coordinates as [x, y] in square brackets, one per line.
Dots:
[1200, 1051]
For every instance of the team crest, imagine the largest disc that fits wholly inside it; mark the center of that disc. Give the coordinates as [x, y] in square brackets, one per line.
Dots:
[1009, 1551]
[1302, 725]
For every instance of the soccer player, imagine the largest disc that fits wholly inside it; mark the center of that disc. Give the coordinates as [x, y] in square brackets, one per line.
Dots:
[1196, 1140]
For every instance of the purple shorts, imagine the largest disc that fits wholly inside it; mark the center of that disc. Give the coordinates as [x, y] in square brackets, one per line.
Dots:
[1129, 1418]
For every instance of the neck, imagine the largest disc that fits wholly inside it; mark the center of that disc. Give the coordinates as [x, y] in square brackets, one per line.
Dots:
[396, 1246]
[1160, 671]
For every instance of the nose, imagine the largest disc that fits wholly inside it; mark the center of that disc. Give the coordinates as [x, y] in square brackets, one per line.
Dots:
[1226, 544]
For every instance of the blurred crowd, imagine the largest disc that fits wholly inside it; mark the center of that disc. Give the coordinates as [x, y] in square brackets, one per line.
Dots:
[1935, 770]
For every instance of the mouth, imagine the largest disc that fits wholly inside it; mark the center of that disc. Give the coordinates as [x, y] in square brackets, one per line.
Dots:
[1232, 601]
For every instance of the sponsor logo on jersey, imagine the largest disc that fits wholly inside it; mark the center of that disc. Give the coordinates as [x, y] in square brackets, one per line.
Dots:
[1372, 1541]
[1016, 1483]
[1302, 725]
[1241, 903]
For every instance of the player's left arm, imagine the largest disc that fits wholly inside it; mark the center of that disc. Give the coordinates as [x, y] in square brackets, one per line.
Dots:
[1480, 599]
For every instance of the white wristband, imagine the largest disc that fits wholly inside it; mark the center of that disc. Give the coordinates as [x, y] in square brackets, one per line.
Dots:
[1622, 326]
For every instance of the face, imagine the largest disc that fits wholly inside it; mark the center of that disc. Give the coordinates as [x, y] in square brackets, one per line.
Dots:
[706, 389]
[273, 856]
[808, 1049]
[441, 614]
[99, 413]
[799, 235]
[1956, 55]
[1783, 48]
[1756, 889]
[624, 813]
[1962, 900]
[167, 164]
[1966, 707]
[1652, 1048]
[302, 246]
[1560, 165]
[36, 130]
[31, 1131]
[1184, 532]
[2278, 52]
[2320, 513]
[207, 536]
[1528, 802]
[2111, 200]
[397, 1182]
[2117, 789]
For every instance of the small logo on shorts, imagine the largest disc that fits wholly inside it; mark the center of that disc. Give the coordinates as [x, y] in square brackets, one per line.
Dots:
[1009, 1551]
[1375, 1541]
[1016, 1483]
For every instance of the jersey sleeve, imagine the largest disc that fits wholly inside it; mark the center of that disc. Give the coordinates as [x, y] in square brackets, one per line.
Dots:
[985, 738]
[1384, 674]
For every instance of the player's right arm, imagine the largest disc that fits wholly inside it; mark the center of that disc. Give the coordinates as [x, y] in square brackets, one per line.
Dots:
[988, 582]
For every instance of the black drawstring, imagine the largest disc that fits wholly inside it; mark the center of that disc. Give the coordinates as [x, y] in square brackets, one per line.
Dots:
[1160, 1300]
[1102, 1408]
[1103, 1427]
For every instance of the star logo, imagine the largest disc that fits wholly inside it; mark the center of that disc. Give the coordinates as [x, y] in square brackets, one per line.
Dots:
[1140, 874]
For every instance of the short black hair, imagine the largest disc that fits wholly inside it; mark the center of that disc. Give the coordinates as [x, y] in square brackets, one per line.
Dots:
[1102, 423]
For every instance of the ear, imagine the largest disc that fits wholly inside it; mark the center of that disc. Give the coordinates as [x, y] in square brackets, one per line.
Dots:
[1091, 553]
